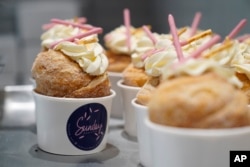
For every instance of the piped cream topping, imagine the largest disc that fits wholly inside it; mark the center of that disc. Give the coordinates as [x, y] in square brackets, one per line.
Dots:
[116, 40]
[241, 61]
[60, 32]
[90, 57]
[146, 49]
[155, 63]
[196, 67]
[224, 53]
[86, 51]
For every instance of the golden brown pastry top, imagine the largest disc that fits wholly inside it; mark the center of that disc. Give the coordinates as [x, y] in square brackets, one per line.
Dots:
[117, 62]
[246, 84]
[205, 101]
[57, 75]
[133, 76]
[144, 94]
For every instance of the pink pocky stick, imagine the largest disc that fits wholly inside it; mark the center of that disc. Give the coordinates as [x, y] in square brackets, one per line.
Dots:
[197, 53]
[83, 26]
[175, 38]
[78, 36]
[126, 15]
[149, 34]
[211, 42]
[243, 37]
[48, 26]
[195, 23]
[237, 29]
[150, 52]
[80, 20]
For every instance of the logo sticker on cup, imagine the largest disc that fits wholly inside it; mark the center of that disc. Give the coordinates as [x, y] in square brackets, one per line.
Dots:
[86, 126]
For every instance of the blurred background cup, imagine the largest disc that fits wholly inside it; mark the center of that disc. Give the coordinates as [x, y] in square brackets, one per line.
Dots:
[128, 94]
[143, 136]
[72, 126]
[117, 106]
[175, 147]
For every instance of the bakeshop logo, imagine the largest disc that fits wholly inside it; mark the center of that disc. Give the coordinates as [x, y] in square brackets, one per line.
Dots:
[86, 126]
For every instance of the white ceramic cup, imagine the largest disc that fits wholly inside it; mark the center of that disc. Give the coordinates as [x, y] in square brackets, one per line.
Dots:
[117, 106]
[176, 147]
[72, 126]
[128, 93]
[143, 136]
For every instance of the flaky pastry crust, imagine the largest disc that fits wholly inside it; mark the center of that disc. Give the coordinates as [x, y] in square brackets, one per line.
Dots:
[59, 76]
[206, 101]
[133, 76]
[117, 62]
[246, 84]
[144, 94]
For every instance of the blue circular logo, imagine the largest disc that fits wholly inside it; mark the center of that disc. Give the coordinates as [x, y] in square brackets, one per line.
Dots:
[86, 126]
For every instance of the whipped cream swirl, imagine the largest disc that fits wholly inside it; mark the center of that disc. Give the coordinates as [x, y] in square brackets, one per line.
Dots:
[241, 61]
[155, 63]
[116, 40]
[145, 46]
[90, 57]
[139, 41]
[196, 67]
[86, 51]
[59, 32]
[224, 56]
